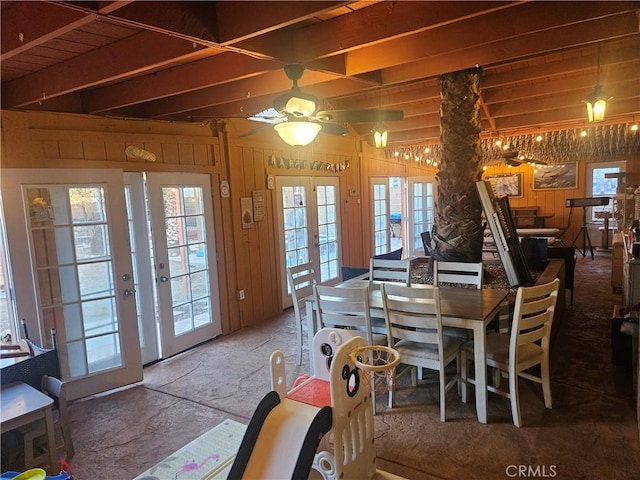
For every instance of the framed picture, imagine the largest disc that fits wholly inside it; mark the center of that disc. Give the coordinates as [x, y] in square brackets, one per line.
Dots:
[509, 184]
[555, 176]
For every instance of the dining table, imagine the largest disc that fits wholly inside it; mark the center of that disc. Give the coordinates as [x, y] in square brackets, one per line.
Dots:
[21, 404]
[466, 308]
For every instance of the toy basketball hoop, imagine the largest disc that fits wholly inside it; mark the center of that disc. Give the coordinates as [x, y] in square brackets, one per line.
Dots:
[380, 361]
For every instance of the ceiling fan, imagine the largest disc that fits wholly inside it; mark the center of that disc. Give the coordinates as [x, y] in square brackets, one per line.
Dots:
[513, 158]
[297, 112]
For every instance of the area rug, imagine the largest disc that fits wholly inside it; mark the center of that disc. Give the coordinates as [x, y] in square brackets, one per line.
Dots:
[208, 457]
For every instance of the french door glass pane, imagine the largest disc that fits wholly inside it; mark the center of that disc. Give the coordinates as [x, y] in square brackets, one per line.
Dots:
[327, 232]
[422, 211]
[75, 274]
[295, 225]
[380, 219]
[186, 247]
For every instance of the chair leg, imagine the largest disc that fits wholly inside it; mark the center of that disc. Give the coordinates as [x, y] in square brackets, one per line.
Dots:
[443, 394]
[515, 400]
[299, 340]
[546, 382]
[68, 442]
[463, 376]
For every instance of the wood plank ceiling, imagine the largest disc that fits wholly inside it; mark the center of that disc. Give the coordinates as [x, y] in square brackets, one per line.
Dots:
[201, 61]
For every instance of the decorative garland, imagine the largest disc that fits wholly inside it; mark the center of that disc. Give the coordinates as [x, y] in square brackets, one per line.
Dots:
[297, 164]
[551, 147]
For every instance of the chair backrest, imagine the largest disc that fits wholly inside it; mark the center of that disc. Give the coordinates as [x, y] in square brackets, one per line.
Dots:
[395, 255]
[463, 273]
[381, 270]
[412, 314]
[301, 279]
[57, 390]
[347, 308]
[532, 319]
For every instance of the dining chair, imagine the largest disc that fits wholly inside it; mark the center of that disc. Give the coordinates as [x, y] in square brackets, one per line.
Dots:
[301, 279]
[383, 270]
[526, 346]
[414, 329]
[35, 434]
[348, 308]
[470, 274]
[460, 273]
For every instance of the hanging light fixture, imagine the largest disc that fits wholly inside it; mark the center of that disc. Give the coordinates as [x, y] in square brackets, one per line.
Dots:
[380, 135]
[298, 134]
[597, 100]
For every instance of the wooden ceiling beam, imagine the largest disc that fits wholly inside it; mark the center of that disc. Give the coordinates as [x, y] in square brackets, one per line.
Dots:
[238, 21]
[217, 70]
[250, 95]
[512, 49]
[505, 25]
[552, 102]
[570, 117]
[525, 72]
[420, 135]
[367, 26]
[608, 78]
[145, 51]
[34, 23]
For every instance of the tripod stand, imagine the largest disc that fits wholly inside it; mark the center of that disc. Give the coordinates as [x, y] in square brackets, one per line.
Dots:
[585, 236]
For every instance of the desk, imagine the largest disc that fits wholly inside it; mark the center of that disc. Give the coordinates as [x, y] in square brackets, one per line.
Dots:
[467, 308]
[22, 404]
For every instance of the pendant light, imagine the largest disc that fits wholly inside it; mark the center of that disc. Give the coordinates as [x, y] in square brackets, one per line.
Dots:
[597, 100]
[380, 135]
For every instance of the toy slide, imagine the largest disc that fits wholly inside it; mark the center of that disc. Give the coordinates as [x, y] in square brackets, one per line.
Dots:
[281, 439]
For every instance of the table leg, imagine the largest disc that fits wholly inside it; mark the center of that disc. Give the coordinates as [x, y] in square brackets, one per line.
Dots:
[479, 337]
[51, 441]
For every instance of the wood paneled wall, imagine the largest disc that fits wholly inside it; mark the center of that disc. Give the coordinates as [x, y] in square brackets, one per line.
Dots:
[247, 258]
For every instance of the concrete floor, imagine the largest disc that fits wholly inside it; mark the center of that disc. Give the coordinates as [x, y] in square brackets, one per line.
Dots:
[591, 432]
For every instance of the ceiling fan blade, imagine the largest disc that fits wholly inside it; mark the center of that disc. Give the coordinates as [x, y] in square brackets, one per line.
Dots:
[509, 154]
[256, 130]
[360, 116]
[334, 129]
[513, 162]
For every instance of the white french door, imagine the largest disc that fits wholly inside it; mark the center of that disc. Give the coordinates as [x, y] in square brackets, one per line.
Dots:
[381, 226]
[66, 234]
[309, 227]
[186, 276]
[420, 216]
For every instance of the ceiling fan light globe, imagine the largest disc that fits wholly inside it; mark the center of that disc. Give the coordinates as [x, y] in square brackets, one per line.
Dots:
[300, 107]
[298, 134]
